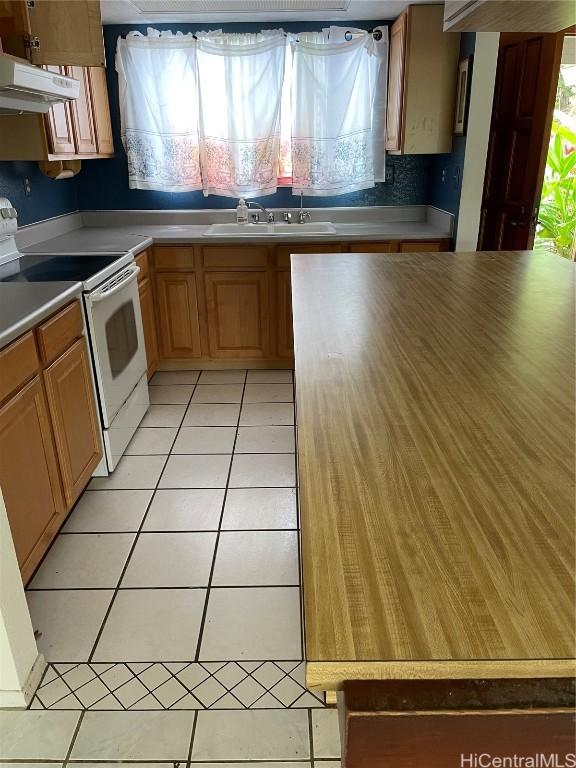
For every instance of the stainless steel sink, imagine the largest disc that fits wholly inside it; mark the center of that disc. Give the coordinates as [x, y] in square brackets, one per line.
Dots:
[271, 230]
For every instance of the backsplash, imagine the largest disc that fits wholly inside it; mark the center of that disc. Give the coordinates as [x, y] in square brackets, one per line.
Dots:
[47, 197]
[104, 183]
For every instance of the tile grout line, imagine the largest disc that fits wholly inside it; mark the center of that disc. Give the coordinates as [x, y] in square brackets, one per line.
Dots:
[139, 531]
[311, 737]
[210, 577]
[73, 740]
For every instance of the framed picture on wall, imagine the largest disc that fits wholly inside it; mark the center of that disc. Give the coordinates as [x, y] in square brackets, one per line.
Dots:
[462, 95]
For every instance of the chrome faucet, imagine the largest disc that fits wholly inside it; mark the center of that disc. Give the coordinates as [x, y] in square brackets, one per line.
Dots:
[303, 216]
[269, 214]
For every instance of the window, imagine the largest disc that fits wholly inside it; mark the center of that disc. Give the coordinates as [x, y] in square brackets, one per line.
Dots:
[240, 114]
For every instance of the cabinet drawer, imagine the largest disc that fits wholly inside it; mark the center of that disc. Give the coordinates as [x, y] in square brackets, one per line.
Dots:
[372, 247]
[425, 246]
[234, 256]
[173, 257]
[58, 333]
[18, 363]
[142, 262]
[283, 251]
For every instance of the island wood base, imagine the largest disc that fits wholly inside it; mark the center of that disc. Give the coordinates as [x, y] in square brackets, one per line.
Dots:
[449, 724]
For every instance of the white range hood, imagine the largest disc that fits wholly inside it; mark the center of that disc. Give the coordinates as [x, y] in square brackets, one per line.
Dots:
[26, 88]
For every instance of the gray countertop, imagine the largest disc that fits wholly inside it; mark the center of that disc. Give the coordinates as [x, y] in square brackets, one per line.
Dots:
[23, 305]
[136, 237]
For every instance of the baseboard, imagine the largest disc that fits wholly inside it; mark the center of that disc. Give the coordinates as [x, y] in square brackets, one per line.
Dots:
[21, 699]
[217, 365]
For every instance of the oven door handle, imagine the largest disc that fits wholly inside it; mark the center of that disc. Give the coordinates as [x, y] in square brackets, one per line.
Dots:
[115, 285]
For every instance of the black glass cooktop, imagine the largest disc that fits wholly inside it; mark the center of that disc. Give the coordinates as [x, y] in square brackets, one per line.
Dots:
[45, 269]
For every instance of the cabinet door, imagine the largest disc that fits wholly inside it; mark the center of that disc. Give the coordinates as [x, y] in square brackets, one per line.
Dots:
[29, 475]
[178, 314]
[59, 124]
[74, 419]
[82, 117]
[284, 334]
[101, 110]
[238, 319]
[67, 32]
[394, 115]
[149, 324]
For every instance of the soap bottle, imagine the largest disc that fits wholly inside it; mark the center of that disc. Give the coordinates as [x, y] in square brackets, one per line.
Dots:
[242, 212]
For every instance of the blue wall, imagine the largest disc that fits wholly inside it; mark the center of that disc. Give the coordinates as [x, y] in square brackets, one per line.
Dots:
[104, 183]
[48, 198]
[445, 172]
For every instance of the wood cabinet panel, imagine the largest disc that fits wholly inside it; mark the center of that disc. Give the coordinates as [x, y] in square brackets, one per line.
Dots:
[101, 110]
[396, 66]
[428, 246]
[18, 363]
[372, 247]
[238, 314]
[59, 332]
[68, 32]
[149, 325]
[60, 132]
[82, 114]
[74, 419]
[34, 505]
[234, 256]
[171, 257]
[284, 331]
[178, 319]
[142, 261]
[421, 83]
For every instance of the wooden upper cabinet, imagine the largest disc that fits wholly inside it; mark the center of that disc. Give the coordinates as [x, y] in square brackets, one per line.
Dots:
[59, 124]
[421, 83]
[238, 314]
[82, 113]
[74, 419]
[396, 83]
[101, 110]
[53, 31]
[178, 319]
[505, 16]
[33, 499]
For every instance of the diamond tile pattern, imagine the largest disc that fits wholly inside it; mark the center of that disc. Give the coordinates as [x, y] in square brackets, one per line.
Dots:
[192, 686]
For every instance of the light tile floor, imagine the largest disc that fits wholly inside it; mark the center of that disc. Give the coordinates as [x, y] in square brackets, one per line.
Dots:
[169, 606]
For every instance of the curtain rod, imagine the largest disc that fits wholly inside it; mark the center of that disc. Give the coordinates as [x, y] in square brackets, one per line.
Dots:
[376, 34]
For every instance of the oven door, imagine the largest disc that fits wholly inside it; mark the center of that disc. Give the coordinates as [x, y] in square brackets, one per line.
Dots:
[117, 338]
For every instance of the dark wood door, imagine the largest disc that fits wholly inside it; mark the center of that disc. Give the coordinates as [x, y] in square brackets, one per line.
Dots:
[526, 81]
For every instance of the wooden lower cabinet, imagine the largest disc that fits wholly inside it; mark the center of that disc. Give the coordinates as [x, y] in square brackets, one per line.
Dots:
[231, 302]
[29, 474]
[284, 333]
[238, 314]
[74, 419]
[178, 319]
[149, 325]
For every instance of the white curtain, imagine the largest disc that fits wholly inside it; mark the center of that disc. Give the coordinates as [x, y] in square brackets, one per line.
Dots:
[240, 88]
[159, 110]
[338, 104]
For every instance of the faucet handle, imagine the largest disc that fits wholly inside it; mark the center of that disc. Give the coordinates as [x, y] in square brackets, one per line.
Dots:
[287, 216]
[304, 216]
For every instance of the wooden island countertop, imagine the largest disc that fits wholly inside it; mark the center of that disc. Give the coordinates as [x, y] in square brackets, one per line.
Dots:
[435, 429]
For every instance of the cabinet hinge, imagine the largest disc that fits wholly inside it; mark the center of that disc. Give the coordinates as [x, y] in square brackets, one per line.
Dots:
[31, 41]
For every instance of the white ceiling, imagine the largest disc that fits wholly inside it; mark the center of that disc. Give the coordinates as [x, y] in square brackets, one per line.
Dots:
[220, 11]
